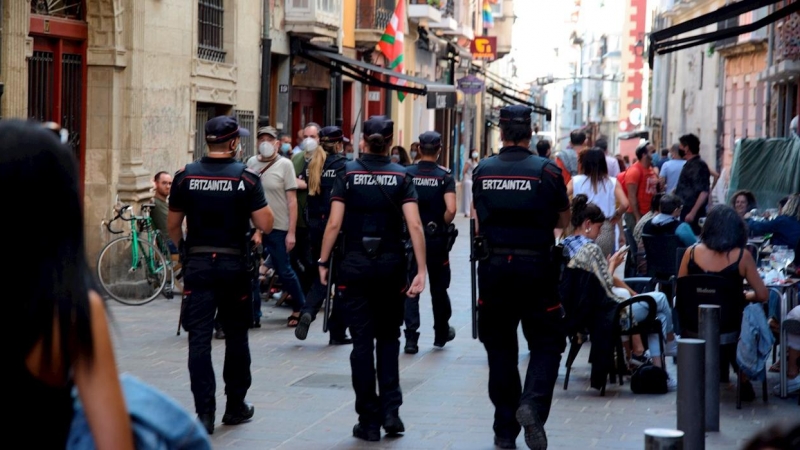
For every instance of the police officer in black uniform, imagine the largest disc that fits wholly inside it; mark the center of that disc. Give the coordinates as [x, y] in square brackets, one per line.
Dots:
[218, 197]
[436, 189]
[370, 201]
[518, 199]
[320, 174]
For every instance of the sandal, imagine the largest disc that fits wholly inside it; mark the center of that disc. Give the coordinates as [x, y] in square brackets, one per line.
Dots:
[292, 321]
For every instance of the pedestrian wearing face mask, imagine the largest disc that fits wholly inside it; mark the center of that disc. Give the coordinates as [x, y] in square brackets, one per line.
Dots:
[301, 255]
[349, 151]
[414, 153]
[466, 181]
[320, 174]
[400, 156]
[280, 187]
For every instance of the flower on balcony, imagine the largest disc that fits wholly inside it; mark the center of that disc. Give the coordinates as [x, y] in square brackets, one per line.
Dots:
[435, 3]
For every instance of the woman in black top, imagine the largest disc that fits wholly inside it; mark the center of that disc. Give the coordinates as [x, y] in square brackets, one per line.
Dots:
[59, 328]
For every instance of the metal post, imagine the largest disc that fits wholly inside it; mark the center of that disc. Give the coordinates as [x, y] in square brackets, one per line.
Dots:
[691, 392]
[709, 332]
[663, 439]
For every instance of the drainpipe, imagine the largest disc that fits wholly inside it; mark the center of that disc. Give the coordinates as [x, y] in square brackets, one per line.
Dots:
[266, 71]
[770, 60]
[720, 111]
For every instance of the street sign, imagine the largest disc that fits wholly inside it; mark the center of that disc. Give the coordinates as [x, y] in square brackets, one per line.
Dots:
[635, 116]
[470, 84]
[374, 96]
[441, 100]
[484, 48]
[283, 88]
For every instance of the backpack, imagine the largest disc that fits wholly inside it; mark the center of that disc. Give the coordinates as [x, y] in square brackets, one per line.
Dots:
[649, 379]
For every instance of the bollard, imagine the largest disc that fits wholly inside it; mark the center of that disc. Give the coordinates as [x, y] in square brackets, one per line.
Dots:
[708, 326]
[691, 392]
[663, 439]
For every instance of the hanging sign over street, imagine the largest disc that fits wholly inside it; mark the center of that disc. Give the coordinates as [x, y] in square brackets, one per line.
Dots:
[470, 84]
[484, 48]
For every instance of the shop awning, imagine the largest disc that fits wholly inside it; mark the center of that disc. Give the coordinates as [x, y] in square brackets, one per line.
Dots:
[512, 100]
[366, 73]
[663, 41]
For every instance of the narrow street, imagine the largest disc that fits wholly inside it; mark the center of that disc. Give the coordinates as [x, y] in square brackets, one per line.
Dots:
[304, 400]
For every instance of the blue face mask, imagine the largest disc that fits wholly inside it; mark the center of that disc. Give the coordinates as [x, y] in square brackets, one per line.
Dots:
[349, 156]
[285, 147]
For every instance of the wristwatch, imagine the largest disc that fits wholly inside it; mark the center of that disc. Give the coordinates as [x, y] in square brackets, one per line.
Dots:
[325, 264]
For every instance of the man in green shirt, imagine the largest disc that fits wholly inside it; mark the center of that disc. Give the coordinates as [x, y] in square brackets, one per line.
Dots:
[163, 182]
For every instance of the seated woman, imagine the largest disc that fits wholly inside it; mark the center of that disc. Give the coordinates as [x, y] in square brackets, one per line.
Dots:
[722, 252]
[785, 228]
[743, 201]
[586, 255]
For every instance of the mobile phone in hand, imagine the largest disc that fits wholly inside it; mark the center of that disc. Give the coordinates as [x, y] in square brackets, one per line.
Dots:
[624, 248]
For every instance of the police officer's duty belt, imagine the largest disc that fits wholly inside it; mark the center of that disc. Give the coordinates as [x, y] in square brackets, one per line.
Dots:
[503, 251]
[220, 250]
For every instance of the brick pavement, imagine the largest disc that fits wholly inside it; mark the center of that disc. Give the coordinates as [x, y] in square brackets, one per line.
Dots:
[303, 397]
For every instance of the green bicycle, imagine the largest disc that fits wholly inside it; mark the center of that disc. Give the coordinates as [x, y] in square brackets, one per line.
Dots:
[133, 269]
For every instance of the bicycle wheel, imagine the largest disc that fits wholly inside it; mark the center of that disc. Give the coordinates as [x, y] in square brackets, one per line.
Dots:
[161, 241]
[132, 279]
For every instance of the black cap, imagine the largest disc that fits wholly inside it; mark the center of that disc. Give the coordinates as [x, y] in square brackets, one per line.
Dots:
[379, 125]
[331, 134]
[430, 138]
[516, 113]
[222, 129]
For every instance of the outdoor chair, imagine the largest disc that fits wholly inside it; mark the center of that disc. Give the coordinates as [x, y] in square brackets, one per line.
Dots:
[650, 325]
[696, 290]
[662, 259]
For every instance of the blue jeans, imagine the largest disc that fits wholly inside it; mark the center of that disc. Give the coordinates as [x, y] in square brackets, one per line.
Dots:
[663, 314]
[275, 244]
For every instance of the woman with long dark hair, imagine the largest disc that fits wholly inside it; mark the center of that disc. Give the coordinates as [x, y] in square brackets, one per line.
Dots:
[601, 190]
[58, 321]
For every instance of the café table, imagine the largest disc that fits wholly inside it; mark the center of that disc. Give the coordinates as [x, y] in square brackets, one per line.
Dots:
[789, 291]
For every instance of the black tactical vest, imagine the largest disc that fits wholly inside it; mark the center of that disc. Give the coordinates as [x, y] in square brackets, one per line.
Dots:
[319, 205]
[430, 180]
[375, 191]
[218, 195]
[513, 206]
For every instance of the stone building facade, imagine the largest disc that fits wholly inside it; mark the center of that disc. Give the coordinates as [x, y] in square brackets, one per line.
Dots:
[132, 82]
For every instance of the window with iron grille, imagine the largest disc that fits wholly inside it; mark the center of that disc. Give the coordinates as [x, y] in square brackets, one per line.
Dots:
[247, 119]
[210, 37]
[202, 114]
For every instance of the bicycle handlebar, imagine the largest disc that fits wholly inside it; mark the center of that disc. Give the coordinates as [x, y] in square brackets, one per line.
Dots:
[120, 212]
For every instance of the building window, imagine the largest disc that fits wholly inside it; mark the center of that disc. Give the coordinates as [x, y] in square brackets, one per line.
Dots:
[202, 114]
[69, 9]
[574, 100]
[210, 36]
[247, 119]
[674, 70]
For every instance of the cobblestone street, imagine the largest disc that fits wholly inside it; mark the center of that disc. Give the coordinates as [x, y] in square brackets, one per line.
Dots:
[304, 400]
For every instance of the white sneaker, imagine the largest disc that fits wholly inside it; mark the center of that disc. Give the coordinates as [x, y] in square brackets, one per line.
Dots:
[792, 386]
[672, 384]
[671, 349]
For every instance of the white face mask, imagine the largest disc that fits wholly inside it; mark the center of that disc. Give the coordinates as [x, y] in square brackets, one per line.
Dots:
[309, 145]
[474, 155]
[266, 149]
[413, 155]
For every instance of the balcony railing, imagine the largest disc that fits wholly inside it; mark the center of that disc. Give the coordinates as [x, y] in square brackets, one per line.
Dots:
[787, 42]
[312, 16]
[374, 14]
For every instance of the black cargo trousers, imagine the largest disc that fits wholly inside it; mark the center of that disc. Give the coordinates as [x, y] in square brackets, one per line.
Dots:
[438, 262]
[217, 282]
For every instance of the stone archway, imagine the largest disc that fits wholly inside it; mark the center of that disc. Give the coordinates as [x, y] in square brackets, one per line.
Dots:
[114, 125]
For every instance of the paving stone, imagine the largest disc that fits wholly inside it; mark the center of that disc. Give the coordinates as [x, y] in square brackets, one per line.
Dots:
[304, 400]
